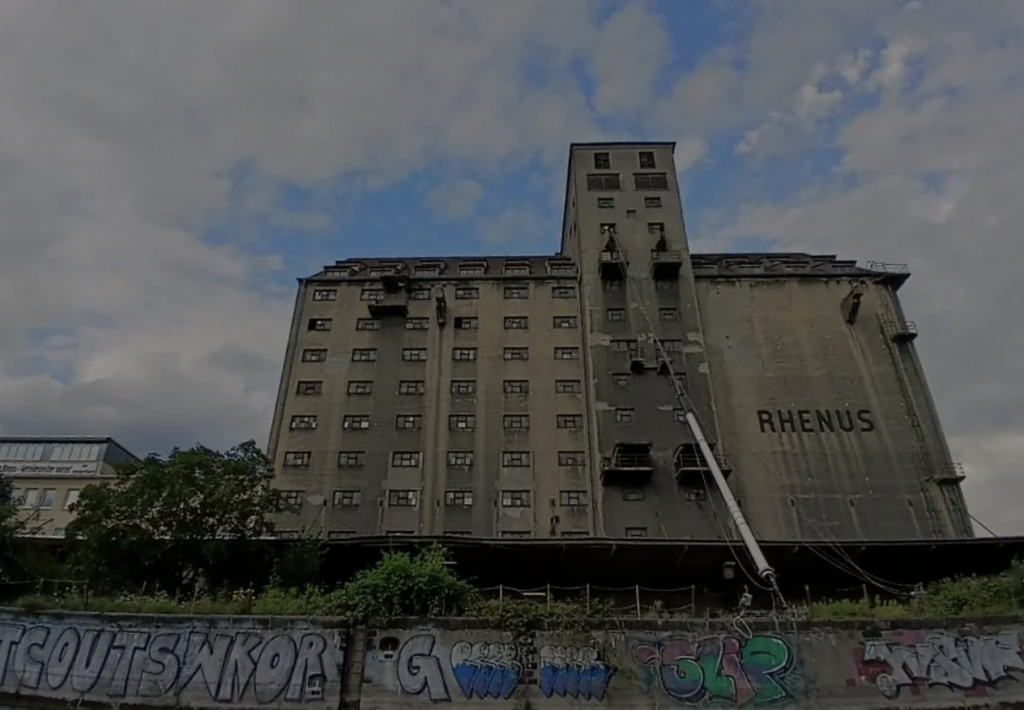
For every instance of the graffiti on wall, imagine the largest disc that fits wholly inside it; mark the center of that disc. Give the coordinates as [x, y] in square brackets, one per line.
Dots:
[141, 664]
[573, 672]
[493, 671]
[719, 669]
[942, 659]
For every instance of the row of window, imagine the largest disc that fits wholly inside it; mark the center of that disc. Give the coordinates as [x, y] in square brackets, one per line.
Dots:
[43, 498]
[618, 315]
[467, 422]
[612, 182]
[502, 534]
[607, 203]
[453, 498]
[414, 459]
[456, 422]
[461, 323]
[562, 267]
[58, 452]
[603, 160]
[462, 293]
[308, 388]
[458, 354]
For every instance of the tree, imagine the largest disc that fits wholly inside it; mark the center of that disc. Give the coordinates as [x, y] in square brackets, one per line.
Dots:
[170, 521]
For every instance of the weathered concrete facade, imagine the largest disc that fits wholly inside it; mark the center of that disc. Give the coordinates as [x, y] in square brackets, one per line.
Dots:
[247, 663]
[533, 396]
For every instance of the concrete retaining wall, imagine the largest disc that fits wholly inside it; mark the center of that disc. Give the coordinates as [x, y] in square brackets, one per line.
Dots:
[248, 663]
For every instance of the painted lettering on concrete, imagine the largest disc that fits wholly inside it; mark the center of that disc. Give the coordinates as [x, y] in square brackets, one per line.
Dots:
[815, 421]
[419, 670]
[943, 659]
[486, 670]
[572, 672]
[719, 669]
[144, 665]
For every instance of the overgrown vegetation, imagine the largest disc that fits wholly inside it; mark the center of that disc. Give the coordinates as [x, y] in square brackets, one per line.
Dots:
[182, 535]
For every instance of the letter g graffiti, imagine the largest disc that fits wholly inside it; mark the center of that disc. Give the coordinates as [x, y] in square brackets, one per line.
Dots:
[419, 669]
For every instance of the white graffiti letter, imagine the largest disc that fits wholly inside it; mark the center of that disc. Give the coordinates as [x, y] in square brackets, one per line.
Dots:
[419, 669]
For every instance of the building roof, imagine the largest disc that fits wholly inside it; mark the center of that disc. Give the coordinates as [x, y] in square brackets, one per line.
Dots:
[65, 439]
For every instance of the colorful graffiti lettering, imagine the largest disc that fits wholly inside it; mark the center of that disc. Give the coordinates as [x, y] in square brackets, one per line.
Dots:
[419, 669]
[741, 671]
[486, 670]
[568, 671]
[944, 659]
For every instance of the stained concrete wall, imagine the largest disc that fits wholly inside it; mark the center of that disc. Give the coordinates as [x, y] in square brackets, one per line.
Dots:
[248, 663]
[150, 660]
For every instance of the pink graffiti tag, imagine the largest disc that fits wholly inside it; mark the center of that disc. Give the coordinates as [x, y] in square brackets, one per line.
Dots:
[740, 671]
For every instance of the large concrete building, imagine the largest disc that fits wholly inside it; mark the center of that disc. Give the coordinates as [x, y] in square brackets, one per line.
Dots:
[533, 396]
[49, 472]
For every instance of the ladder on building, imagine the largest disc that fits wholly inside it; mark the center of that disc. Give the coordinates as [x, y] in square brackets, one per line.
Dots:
[764, 570]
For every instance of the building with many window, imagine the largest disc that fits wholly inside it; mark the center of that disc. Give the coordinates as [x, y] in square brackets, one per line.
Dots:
[48, 474]
[545, 396]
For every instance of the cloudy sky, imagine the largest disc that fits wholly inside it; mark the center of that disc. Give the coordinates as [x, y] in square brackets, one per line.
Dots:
[167, 168]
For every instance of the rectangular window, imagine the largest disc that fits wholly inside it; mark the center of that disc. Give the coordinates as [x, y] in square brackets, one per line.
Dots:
[403, 498]
[561, 269]
[625, 415]
[325, 294]
[636, 532]
[405, 459]
[371, 294]
[515, 499]
[652, 203]
[71, 498]
[517, 269]
[515, 459]
[30, 498]
[516, 353]
[472, 270]
[467, 323]
[367, 324]
[427, 270]
[467, 293]
[351, 459]
[412, 387]
[460, 459]
[516, 293]
[458, 499]
[291, 498]
[360, 387]
[355, 422]
[419, 294]
[364, 355]
[407, 422]
[381, 271]
[516, 322]
[621, 379]
[320, 324]
[672, 346]
[564, 322]
[515, 534]
[46, 501]
[297, 458]
[461, 422]
[568, 387]
[347, 499]
[655, 228]
[567, 353]
[572, 458]
[625, 346]
[417, 324]
[569, 421]
[633, 496]
[303, 421]
[414, 354]
[647, 160]
[696, 495]
[603, 182]
[572, 498]
[314, 355]
[516, 386]
[615, 315]
[650, 181]
[668, 314]
[563, 292]
[463, 386]
[606, 203]
[602, 161]
[665, 286]
[309, 388]
[464, 354]
[679, 415]
[516, 421]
